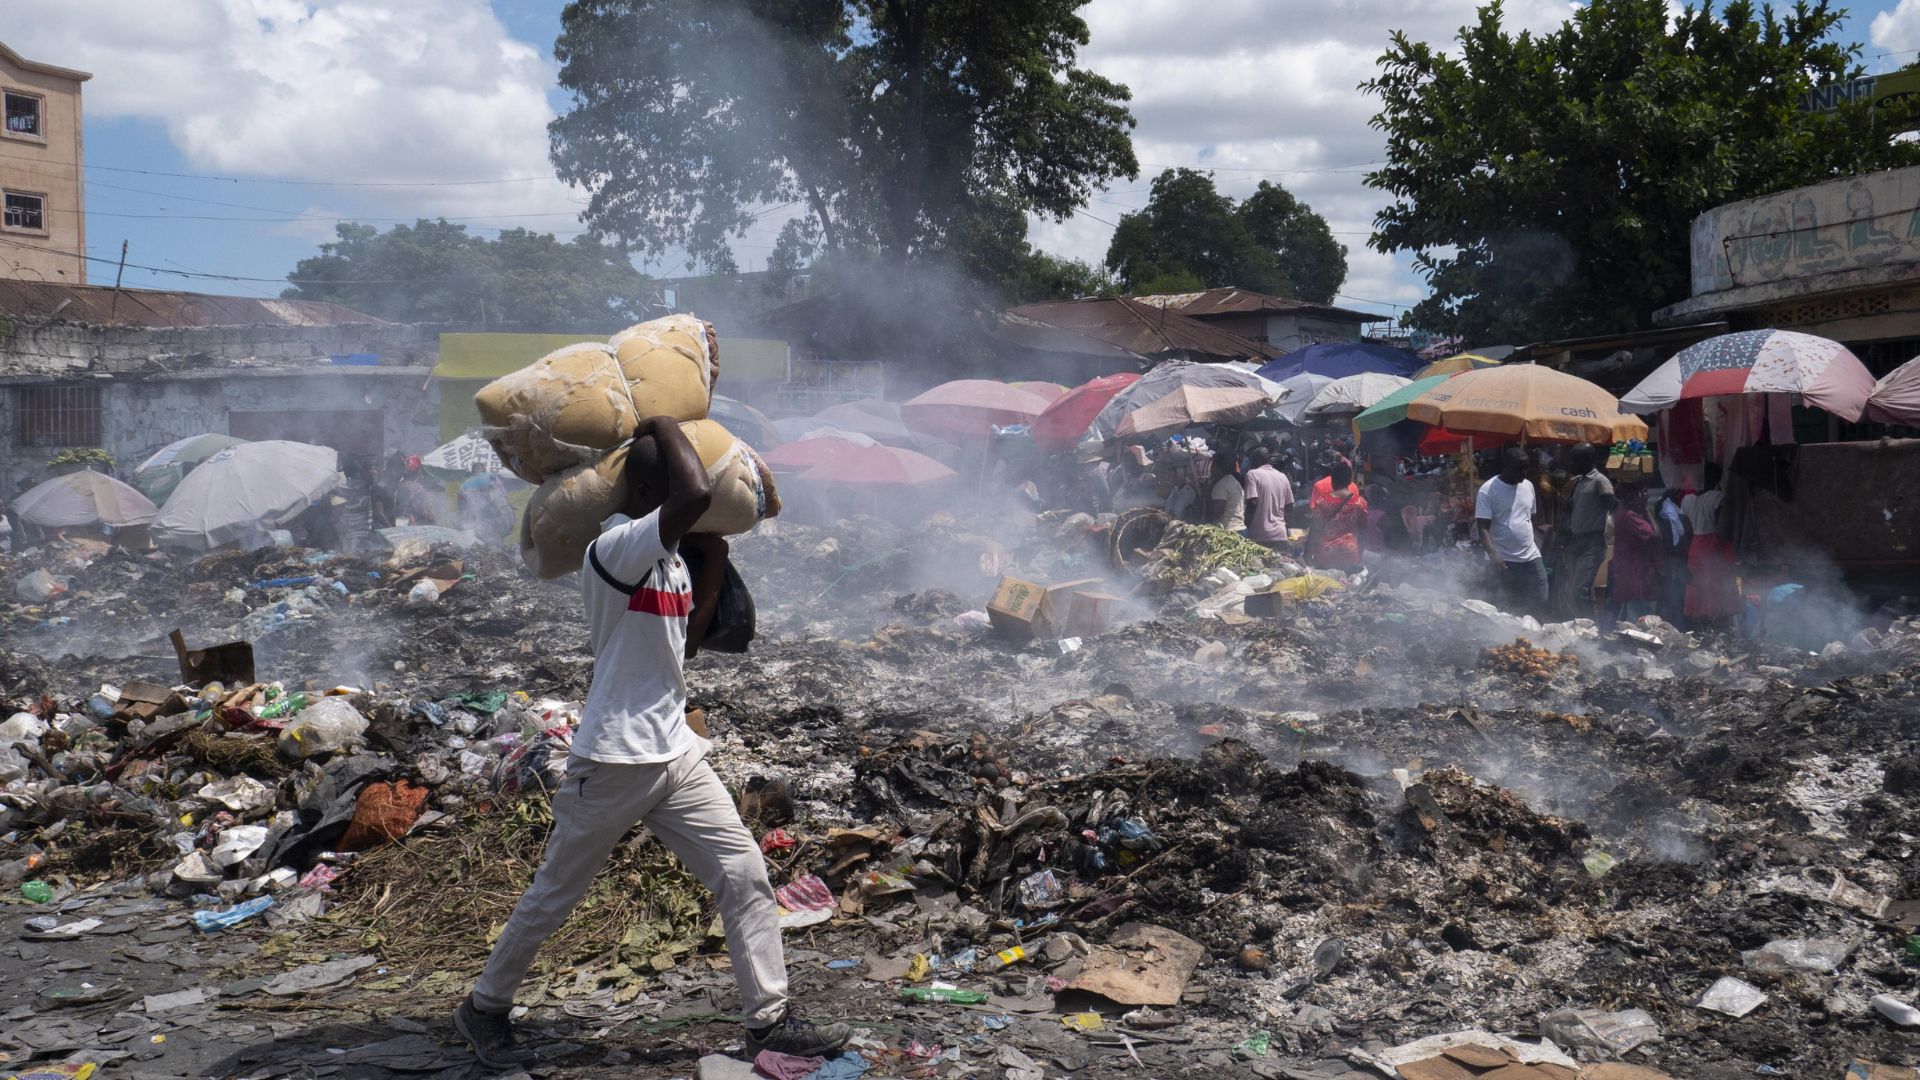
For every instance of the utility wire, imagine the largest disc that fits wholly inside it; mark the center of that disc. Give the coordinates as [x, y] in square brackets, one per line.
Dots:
[276, 180]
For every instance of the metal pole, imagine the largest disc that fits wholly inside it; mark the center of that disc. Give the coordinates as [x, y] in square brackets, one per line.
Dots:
[115, 305]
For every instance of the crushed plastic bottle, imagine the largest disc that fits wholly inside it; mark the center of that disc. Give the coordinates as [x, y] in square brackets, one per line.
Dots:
[1005, 958]
[37, 891]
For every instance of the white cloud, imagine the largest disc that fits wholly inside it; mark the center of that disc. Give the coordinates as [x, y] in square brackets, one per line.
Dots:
[368, 91]
[1898, 30]
[1257, 90]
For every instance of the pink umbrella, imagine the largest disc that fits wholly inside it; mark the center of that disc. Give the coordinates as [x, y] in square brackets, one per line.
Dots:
[1058, 430]
[1896, 398]
[878, 466]
[874, 418]
[968, 408]
[1823, 373]
[818, 447]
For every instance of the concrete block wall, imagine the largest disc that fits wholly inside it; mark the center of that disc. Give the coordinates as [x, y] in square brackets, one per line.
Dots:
[57, 348]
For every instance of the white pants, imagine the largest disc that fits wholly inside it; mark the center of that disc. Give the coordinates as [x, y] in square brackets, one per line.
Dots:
[687, 807]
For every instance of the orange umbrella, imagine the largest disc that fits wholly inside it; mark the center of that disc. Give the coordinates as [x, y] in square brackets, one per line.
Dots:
[1528, 401]
[878, 466]
[970, 407]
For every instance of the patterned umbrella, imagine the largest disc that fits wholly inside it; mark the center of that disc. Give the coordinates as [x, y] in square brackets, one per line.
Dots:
[969, 408]
[1896, 398]
[1174, 395]
[83, 500]
[1823, 373]
[1526, 400]
[1060, 427]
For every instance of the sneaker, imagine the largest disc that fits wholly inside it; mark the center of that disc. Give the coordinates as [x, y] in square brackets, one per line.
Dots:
[791, 1035]
[491, 1036]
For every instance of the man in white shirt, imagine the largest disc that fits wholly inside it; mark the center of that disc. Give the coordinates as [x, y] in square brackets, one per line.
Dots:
[634, 759]
[1503, 515]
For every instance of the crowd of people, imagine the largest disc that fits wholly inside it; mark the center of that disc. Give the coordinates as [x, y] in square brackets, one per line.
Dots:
[1548, 531]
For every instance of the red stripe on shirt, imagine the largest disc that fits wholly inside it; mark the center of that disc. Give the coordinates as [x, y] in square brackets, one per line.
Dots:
[657, 602]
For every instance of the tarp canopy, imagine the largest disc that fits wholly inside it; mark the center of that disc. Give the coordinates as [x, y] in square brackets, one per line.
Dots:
[242, 491]
[83, 500]
[1337, 360]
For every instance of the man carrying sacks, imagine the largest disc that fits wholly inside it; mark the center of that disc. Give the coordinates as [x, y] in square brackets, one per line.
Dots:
[635, 760]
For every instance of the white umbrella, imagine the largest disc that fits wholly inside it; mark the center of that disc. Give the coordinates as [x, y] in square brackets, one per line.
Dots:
[244, 490]
[1352, 395]
[1660, 390]
[463, 453]
[83, 500]
[1299, 394]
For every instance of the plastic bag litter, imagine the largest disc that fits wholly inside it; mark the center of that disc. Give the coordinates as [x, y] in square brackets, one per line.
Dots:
[1820, 955]
[325, 726]
[21, 726]
[1605, 1034]
[40, 587]
[1731, 996]
[237, 842]
[241, 793]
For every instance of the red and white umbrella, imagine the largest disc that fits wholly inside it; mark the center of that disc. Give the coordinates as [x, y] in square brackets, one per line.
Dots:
[1821, 372]
[878, 466]
[970, 408]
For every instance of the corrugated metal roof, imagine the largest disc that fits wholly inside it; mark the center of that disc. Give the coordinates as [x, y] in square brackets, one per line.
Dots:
[1230, 301]
[1145, 329]
[1017, 329]
[97, 305]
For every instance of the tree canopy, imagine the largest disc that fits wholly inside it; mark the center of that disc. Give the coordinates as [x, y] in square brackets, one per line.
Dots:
[907, 128]
[1190, 236]
[447, 275]
[1546, 184]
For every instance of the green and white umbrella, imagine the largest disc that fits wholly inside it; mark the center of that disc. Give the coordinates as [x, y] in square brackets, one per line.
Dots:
[160, 474]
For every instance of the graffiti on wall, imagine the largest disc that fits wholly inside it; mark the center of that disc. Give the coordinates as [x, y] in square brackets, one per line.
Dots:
[1847, 224]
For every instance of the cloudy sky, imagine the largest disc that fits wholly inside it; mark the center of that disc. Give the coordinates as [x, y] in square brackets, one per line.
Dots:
[225, 137]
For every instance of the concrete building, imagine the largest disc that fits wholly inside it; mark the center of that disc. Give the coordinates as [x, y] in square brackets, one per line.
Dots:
[43, 224]
[1839, 259]
[129, 370]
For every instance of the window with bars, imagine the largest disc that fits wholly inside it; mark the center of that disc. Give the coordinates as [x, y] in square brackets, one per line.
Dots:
[23, 114]
[56, 415]
[25, 211]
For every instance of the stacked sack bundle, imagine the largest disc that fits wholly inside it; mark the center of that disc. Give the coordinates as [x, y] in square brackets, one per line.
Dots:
[564, 423]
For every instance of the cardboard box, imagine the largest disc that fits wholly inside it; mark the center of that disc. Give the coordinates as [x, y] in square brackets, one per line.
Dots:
[1092, 613]
[1267, 605]
[1018, 608]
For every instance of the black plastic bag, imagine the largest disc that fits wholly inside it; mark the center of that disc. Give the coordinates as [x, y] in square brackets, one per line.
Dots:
[733, 626]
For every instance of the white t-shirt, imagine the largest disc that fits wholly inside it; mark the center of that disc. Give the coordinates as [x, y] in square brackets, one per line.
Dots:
[1227, 489]
[1510, 508]
[1703, 511]
[638, 595]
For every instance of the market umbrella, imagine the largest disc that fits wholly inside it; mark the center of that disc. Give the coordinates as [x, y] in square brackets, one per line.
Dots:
[1660, 390]
[1896, 398]
[1299, 392]
[879, 419]
[1193, 406]
[1351, 395]
[1525, 400]
[157, 476]
[1195, 394]
[970, 408]
[1060, 427]
[83, 500]
[820, 445]
[744, 422]
[1823, 373]
[1454, 365]
[454, 461]
[1052, 391]
[1337, 360]
[1392, 409]
[244, 490]
[878, 466]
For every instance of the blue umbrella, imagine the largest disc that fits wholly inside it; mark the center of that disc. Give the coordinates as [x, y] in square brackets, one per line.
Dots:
[1341, 359]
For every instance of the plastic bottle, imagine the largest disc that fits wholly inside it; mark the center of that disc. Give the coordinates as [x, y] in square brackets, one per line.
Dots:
[1004, 959]
[929, 994]
[37, 891]
[14, 871]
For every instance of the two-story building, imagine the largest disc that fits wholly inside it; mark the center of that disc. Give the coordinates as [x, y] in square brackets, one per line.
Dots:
[43, 224]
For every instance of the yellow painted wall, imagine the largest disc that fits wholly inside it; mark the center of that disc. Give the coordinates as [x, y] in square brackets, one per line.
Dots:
[48, 165]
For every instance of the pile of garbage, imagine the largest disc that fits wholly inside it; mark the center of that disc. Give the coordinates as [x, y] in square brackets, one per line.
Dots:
[1266, 822]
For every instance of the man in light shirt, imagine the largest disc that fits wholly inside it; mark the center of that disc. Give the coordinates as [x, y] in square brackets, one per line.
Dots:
[634, 760]
[1269, 493]
[1226, 498]
[1503, 513]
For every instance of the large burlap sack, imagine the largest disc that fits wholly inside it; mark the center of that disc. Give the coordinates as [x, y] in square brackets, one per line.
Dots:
[565, 513]
[556, 412]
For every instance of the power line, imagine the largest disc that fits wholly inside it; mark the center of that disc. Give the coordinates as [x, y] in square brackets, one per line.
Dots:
[296, 183]
[197, 274]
